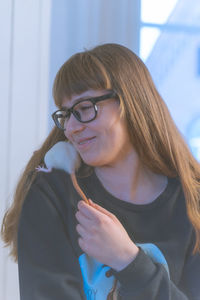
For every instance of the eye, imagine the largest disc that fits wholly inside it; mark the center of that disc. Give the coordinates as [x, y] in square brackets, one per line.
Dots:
[62, 115]
[85, 107]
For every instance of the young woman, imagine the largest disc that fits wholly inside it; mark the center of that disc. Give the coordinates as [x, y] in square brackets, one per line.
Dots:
[139, 237]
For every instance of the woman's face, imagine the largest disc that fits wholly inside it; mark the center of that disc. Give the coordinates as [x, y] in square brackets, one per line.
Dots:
[103, 141]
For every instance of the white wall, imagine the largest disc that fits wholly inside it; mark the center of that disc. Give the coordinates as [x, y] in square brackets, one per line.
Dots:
[24, 61]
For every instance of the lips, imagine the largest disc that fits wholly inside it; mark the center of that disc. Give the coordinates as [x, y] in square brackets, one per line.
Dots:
[85, 143]
[82, 141]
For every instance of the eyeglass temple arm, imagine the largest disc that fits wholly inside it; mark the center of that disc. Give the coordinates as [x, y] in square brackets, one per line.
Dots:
[78, 189]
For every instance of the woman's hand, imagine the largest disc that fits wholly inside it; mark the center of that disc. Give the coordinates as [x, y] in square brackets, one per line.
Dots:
[103, 236]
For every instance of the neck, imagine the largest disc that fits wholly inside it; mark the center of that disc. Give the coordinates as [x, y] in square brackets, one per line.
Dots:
[128, 180]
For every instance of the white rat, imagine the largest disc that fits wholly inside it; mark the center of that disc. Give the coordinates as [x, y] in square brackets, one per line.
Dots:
[64, 156]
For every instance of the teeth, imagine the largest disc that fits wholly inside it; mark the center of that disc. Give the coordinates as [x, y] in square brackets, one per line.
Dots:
[85, 141]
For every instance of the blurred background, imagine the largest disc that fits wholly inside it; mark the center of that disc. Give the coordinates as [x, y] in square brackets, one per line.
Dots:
[38, 36]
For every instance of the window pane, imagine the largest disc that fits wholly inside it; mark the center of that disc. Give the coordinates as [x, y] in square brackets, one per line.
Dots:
[148, 37]
[181, 12]
[173, 58]
[157, 11]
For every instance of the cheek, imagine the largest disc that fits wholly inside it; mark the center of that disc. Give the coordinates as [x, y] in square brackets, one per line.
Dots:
[119, 141]
[67, 135]
[115, 134]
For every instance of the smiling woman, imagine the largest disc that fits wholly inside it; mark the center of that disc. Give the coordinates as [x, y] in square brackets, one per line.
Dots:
[97, 138]
[139, 236]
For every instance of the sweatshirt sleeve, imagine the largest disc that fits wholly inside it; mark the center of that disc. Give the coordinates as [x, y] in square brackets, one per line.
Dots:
[47, 265]
[144, 279]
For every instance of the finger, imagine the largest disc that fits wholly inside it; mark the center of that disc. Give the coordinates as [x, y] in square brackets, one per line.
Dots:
[100, 208]
[86, 210]
[82, 244]
[94, 211]
[81, 230]
[83, 219]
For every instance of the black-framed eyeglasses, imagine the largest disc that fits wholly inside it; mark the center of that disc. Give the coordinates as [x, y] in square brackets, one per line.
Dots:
[84, 111]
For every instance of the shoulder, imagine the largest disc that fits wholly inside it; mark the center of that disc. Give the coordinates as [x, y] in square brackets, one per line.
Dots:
[53, 177]
[51, 189]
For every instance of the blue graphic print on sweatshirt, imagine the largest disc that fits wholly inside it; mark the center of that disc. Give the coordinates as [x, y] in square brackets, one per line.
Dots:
[97, 285]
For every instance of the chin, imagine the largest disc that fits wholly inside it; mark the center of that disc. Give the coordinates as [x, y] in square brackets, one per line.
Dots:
[92, 162]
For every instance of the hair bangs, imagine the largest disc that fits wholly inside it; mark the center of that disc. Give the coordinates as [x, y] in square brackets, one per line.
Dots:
[80, 73]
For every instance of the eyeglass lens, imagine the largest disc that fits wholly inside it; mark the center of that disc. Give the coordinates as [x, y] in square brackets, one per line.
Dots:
[83, 111]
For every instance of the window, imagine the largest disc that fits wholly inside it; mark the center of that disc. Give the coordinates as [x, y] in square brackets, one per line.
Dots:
[169, 45]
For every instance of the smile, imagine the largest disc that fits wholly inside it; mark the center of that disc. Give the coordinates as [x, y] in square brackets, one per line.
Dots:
[85, 143]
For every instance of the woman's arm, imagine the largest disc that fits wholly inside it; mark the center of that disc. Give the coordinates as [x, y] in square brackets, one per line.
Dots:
[147, 275]
[144, 279]
[48, 267]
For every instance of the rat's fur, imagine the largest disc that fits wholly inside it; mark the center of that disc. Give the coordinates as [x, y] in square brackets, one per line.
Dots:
[62, 156]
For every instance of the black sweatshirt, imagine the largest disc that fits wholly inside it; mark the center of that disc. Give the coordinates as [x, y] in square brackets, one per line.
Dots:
[52, 266]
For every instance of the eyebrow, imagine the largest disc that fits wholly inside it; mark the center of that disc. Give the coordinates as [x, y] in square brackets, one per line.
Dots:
[112, 93]
[80, 99]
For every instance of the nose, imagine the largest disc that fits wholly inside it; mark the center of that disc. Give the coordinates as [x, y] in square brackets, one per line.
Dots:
[73, 126]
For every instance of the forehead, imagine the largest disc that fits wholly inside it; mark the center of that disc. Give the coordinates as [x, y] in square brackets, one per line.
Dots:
[68, 102]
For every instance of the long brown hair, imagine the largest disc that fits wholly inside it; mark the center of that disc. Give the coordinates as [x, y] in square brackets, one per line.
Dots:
[152, 131]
